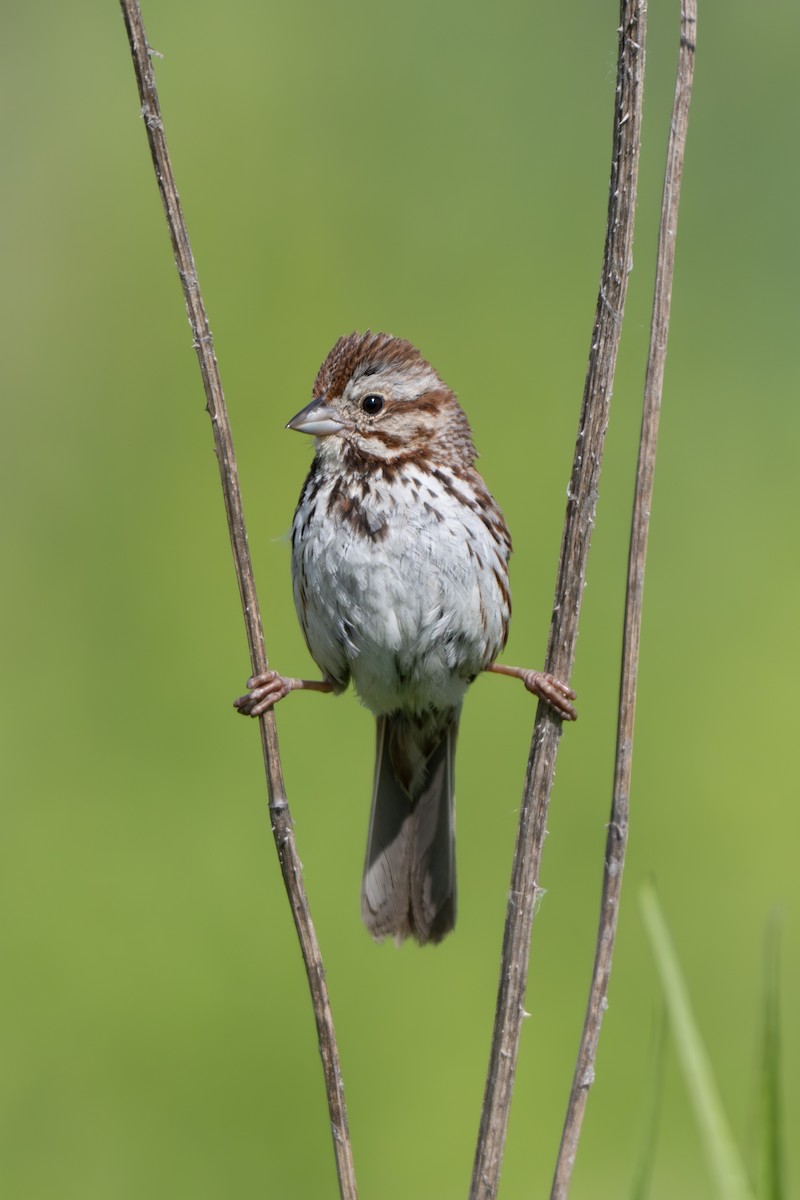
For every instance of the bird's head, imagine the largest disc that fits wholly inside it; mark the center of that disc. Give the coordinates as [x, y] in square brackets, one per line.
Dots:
[376, 398]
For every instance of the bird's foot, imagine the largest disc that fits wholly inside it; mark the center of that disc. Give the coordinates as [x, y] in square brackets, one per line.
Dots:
[555, 693]
[267, 688]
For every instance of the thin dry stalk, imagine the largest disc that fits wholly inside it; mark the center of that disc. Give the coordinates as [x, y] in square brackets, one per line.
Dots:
[582, 500]
[640, 521]
[223, 443]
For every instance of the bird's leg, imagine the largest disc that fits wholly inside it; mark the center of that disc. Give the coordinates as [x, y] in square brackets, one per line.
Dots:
[269, 687]
[555, 693]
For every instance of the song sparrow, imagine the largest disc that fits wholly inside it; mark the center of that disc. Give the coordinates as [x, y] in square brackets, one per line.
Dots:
[400, 570]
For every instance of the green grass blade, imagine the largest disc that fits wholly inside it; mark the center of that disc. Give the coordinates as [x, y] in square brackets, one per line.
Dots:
[772, 1170]
[640, 1187]
[724, 1160]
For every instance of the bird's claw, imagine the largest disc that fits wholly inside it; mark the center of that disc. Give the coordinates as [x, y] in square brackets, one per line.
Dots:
[555, 693]
[264, 690]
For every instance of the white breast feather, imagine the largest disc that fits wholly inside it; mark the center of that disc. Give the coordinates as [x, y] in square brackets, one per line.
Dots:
[413, 616]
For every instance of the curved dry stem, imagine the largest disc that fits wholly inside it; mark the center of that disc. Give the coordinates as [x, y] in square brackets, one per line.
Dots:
[640, 521]
[578, 524]
[223, 444]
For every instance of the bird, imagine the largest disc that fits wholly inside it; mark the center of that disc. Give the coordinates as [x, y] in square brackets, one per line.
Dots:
[400, 578]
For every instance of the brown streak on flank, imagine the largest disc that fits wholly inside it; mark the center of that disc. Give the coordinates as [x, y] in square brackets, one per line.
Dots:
[312, 484]
[483, 506]
[312, 512]
[484, 614]
[502, 583]
[473, 553]
[466, 473]
[483, 497]
[496, 524]
[451, 489]
[333, 498]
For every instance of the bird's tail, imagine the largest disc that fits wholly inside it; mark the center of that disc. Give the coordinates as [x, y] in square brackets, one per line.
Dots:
[409, 886]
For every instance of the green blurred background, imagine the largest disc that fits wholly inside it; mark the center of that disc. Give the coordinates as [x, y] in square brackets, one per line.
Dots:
[441, 172]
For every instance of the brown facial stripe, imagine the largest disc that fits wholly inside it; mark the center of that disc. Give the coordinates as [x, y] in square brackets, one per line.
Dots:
[390, 440]
[428, 402]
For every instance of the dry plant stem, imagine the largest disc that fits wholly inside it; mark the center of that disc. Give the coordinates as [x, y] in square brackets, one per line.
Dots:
[640, 521]
[582, 499]
[223, 443]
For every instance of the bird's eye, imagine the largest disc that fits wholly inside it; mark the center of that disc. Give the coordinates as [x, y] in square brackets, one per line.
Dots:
[372, 404]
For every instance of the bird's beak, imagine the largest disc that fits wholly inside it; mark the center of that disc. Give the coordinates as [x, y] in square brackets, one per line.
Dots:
[317, 418]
